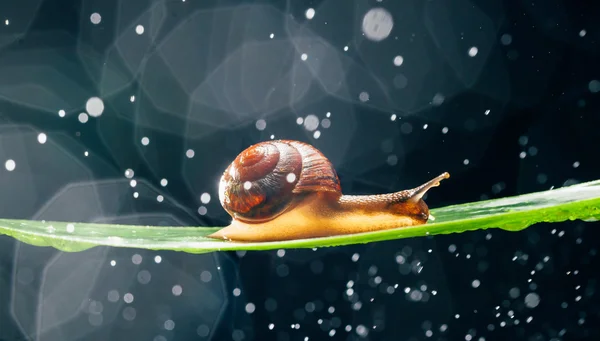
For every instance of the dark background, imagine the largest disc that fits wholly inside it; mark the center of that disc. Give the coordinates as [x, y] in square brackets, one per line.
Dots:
[204, 72]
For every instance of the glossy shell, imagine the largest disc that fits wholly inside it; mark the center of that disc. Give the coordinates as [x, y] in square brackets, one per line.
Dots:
[265, 179]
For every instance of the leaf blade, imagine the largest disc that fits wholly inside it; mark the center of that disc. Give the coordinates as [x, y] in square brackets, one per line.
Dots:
[580, 201]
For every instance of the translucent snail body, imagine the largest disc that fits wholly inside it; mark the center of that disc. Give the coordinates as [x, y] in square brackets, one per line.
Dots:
[284, 190]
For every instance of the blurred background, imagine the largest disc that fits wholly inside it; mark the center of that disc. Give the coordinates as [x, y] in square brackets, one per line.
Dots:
[129, 111]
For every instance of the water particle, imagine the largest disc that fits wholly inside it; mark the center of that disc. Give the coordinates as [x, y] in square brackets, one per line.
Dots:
[476, 283]
[10, 165]
[139, 29]
[164, 182]
[311, 122]
[523, 140]
[473, 51]
[145, 141]
[261, 124]
[94, 106]
[129, 313]
[177, 290]
[363, 96]
[95, 320]
[594, 86]
[205, 276]
[128, 298]
[533, 151]
[95, 18]
[83, 117]
[310, 13]
[61, 113]
[532, 300]
[398, 60]
[362, 331]
[438, 99]
[190, 153]
[157, 259]
[250, 307]
[113, 296]
[129, 173]
[238, 335]
[144, 277]
[203, 330]
[377, 24]
[169, 324]
[42, 138]
[542, 178]
[70, 228]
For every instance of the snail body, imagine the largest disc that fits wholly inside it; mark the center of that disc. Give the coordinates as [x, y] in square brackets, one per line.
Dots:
[286, 190]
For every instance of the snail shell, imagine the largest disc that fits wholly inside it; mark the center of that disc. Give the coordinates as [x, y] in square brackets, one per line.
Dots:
[269, 178]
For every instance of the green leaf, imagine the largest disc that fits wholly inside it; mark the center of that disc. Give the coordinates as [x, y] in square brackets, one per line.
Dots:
[580, 201]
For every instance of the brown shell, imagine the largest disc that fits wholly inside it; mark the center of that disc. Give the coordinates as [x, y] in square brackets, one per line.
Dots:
[256, 187]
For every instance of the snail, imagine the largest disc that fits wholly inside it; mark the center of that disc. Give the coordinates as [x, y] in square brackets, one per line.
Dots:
[286, 190]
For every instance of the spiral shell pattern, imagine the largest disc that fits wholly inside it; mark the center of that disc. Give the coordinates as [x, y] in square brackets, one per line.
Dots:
[265, 179]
